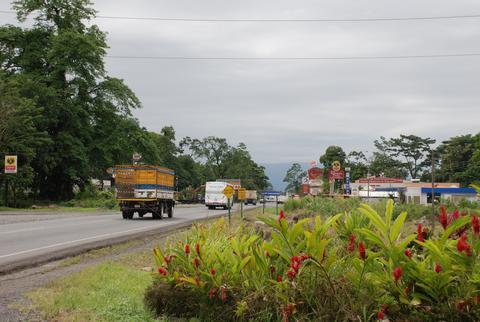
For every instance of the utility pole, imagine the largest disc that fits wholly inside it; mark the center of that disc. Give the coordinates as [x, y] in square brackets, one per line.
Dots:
[433, 191]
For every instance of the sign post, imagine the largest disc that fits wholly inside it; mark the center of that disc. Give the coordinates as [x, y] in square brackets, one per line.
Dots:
[270, 193]
[241, 198]
[10, 168]
[228, 192]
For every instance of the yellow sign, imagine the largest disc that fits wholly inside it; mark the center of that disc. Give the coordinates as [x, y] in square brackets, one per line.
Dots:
[336, 166]
[242, 193]
[228, 192]
[10, 164]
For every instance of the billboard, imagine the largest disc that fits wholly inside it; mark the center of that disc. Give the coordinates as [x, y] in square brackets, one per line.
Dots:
[315, 173]
[236, 183]
[10, 164]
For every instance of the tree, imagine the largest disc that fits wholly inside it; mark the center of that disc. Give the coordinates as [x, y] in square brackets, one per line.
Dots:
[457, 158]
[333, 153]
[18, 135]
[294, 177]
[213, 151]
[357, 161]
[410, 148]
[383, 164]
[60, 63]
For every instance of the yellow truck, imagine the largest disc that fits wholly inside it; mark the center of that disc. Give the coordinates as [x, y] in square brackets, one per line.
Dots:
[144, 189]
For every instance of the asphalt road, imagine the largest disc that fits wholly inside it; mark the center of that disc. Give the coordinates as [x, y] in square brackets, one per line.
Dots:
[28, 243]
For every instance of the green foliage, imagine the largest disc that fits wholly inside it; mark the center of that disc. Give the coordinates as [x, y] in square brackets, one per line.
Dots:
[315, 269]
[91, 197]
[105, 292]
[294, 177]
[410, 148]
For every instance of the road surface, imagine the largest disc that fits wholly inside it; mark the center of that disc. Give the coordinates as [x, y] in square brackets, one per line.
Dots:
[28, 243]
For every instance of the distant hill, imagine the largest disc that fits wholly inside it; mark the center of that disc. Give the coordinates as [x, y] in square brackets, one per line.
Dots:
[276, 172]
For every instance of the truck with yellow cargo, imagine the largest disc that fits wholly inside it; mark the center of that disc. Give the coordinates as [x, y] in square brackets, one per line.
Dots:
[144, 189]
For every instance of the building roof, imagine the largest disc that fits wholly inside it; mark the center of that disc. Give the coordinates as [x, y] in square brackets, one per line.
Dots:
[450, 190]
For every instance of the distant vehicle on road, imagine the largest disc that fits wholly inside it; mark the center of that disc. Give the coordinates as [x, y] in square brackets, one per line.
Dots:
[214, 196]
[251, 197]
[282, 199]
[144, 188]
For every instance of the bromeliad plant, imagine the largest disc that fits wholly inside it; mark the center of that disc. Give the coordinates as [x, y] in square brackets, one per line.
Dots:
[339, 268]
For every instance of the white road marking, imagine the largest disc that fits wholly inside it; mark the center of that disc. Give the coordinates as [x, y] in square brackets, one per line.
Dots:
[74, 241]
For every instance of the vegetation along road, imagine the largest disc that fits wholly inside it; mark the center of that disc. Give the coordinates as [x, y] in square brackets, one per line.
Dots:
[33, 242]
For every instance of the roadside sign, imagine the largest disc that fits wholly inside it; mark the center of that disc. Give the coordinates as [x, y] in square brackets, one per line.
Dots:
[228, 192]
[241, 193]
[136, 157]
[10, 164]
[271, 193]
[336, 166]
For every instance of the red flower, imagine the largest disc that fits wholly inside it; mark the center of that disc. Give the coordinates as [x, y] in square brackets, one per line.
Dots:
[223, 293]
[281, 215]
[464, 246]
[438, 268]
[169, 258]
[361, 250]
[380, 315]
[196, 262]
[162, 271]
[288, 311]
[213, 271]
[197, 249]
[408, 253]
[291, 273]
[212, 292]
[420, 233]
[443, 217]
[351, 244]
[456, 215]
[279, 278]
[304, 257]
[187, 249]
[475, 225]
[397, 274]
[295, 266]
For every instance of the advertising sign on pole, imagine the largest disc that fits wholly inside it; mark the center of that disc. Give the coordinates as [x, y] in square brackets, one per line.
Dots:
[10, 164]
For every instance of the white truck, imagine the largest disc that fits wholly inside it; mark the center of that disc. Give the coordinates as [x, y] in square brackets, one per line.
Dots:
[251, 197]
[214, 196]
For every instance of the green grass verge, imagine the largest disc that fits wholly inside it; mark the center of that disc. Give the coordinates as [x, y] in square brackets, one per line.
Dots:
[110, 291]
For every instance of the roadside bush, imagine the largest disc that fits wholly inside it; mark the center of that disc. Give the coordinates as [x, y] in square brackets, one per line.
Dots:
[91, 197]
[351, 266]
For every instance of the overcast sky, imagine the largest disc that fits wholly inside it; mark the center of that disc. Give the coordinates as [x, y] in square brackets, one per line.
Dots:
[292, 110]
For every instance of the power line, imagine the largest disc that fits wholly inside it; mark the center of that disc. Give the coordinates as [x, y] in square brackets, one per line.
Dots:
[283, 20]
[457, 55]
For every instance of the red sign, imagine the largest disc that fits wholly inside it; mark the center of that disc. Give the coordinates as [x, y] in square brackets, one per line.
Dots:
[380, 180]
[305, 189]
[315, 173]
[335, 175]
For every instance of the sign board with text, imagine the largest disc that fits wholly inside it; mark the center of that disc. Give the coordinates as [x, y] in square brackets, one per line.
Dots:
[10, 164]
[228, 192]
[242, 193]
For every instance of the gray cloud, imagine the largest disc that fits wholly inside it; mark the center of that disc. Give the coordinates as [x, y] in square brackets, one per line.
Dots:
[292, 110]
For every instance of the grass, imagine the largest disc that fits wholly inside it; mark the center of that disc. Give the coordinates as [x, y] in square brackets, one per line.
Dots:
[110, 291]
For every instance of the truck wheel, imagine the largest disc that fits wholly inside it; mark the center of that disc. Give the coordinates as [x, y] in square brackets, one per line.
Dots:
[170, 211]
[124, 214]
[141, 213]
[130, 215]
[157, 214]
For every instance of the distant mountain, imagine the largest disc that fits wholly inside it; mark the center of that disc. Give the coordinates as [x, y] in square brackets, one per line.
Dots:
[277, 171]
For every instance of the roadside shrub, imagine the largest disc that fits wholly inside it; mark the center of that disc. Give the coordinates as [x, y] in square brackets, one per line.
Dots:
[351, 266]
[91, 197]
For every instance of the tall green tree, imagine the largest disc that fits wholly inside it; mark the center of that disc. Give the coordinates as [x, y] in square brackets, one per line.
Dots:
[18, 136]
[410, 149]
[457, 159]
[294, 177]
[61, 60]
[333, 153]
[383, 164]
[357, 162]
